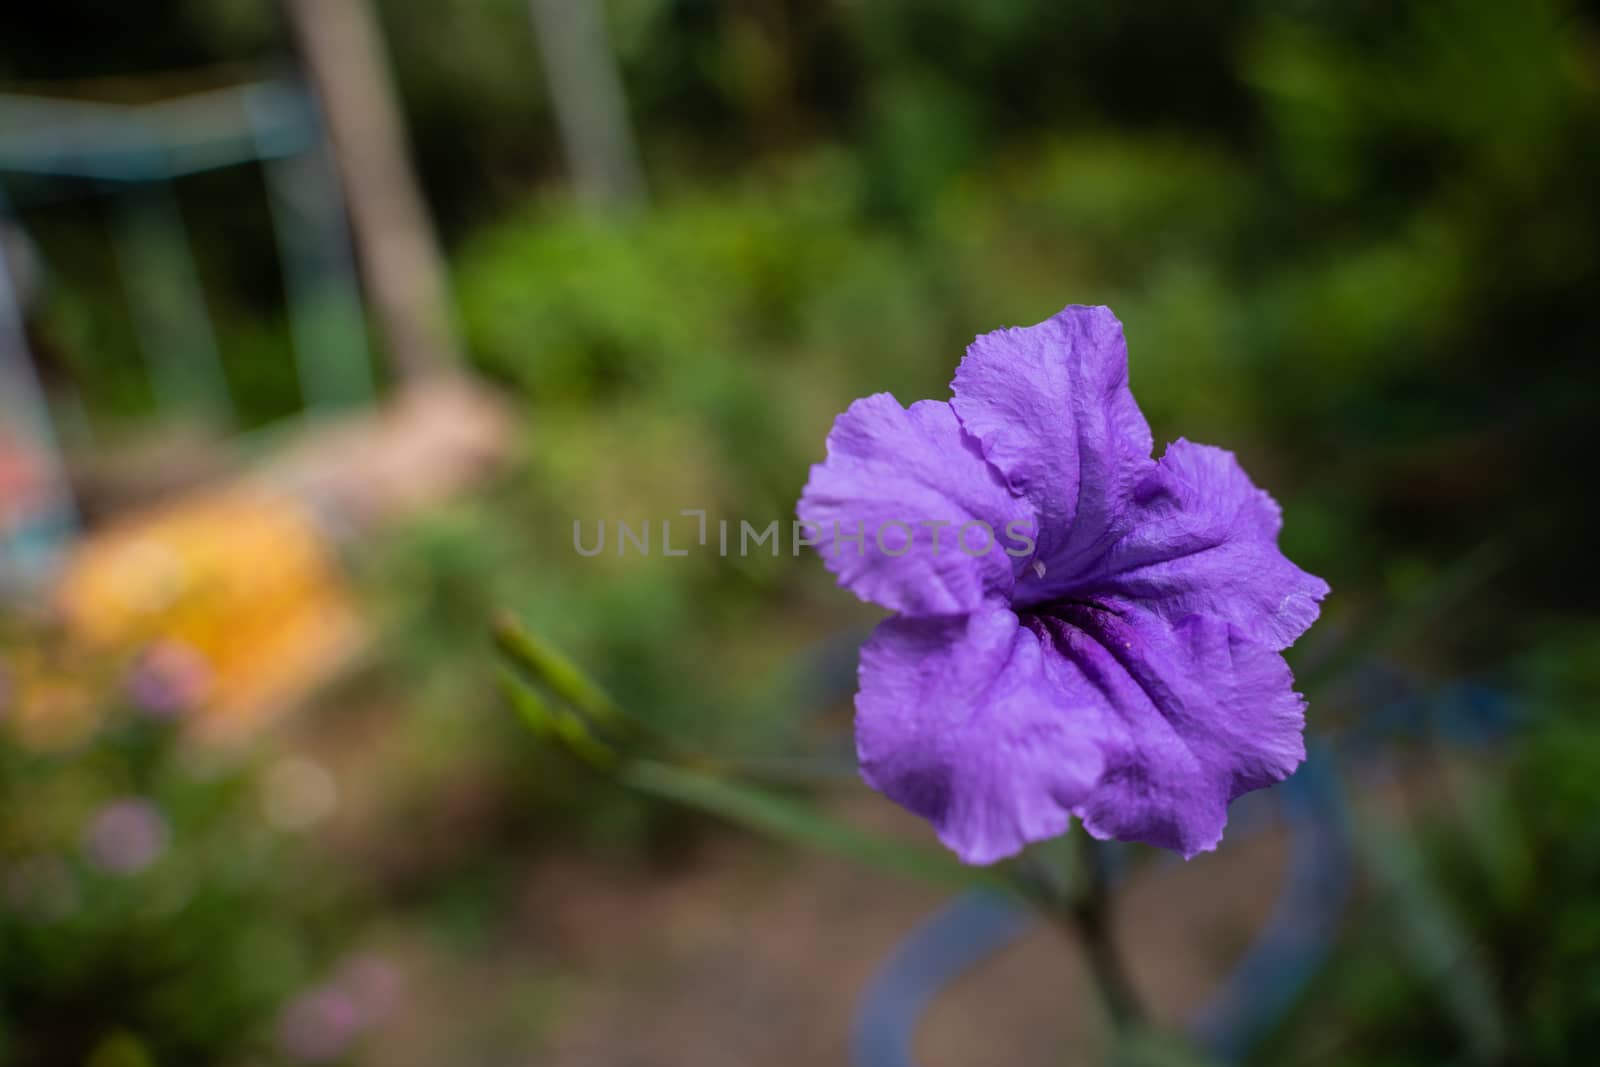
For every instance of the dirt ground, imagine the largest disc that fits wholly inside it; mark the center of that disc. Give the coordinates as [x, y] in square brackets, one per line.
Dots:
[743, 954]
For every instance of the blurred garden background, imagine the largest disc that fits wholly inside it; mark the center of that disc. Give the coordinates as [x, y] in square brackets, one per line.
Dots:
[322, 322]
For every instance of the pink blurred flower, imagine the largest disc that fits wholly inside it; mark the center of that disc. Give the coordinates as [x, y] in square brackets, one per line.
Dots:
[373, 984]
[168, 678]
[318, 1025]
[126, 836]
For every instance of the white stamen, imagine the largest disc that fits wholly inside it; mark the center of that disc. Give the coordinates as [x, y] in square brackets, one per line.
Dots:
[1038, 567]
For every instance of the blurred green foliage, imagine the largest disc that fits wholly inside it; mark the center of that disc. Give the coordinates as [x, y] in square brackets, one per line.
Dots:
[1508, 851]
[149, 910]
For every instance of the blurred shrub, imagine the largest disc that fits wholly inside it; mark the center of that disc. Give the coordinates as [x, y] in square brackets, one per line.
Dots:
[1509, 845]
[155, 904]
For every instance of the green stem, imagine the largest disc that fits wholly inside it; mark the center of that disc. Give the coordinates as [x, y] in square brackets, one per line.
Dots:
[1089, 914]
[1074, 892]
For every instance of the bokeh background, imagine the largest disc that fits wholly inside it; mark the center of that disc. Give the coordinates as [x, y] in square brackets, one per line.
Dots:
[321, 322]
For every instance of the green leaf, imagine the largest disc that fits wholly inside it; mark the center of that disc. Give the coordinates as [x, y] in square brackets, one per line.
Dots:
[565, 679]
[792, 819]
[532, 708]
[1150, 1048]
[559, 703]
[1429, 939]
[557, 723]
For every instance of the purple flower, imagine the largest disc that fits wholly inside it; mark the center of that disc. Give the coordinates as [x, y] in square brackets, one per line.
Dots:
[168, 678]
[1112, 654]
[318, 1026]
[321, 1023]
[374, 986]
[126, 836]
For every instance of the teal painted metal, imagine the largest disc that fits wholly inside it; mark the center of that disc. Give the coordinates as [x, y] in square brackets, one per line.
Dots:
[137, 154]
[168, 304]
[154, 142]
[30, 538]
[329, 331]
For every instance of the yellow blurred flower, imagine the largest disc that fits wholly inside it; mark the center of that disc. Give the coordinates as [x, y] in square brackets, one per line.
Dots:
[242, 577]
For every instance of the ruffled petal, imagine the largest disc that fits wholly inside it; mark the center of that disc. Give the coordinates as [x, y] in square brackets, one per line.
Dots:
[1052, 411]
[1202, 538]
[890, 473]
[1193, 715]
[959, 721]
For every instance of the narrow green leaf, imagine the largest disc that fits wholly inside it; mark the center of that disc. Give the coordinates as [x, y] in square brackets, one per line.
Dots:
[530, 707]
[557, 723]
[1149, 1048]
[1429, 939]
[554, 670]
[795, 820]
[559, 702]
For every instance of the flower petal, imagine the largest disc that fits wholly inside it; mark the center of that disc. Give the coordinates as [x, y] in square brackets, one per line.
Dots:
[1051, 409]
[1194, 715]
[1202, 538]
[890, 473]
[959, 721]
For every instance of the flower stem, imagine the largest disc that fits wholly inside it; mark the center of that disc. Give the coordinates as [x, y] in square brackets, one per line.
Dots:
[1076, 895]
[1089, 913]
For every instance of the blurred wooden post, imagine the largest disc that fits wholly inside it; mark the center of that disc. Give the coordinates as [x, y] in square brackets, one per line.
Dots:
[591, 108]
[342, 46]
